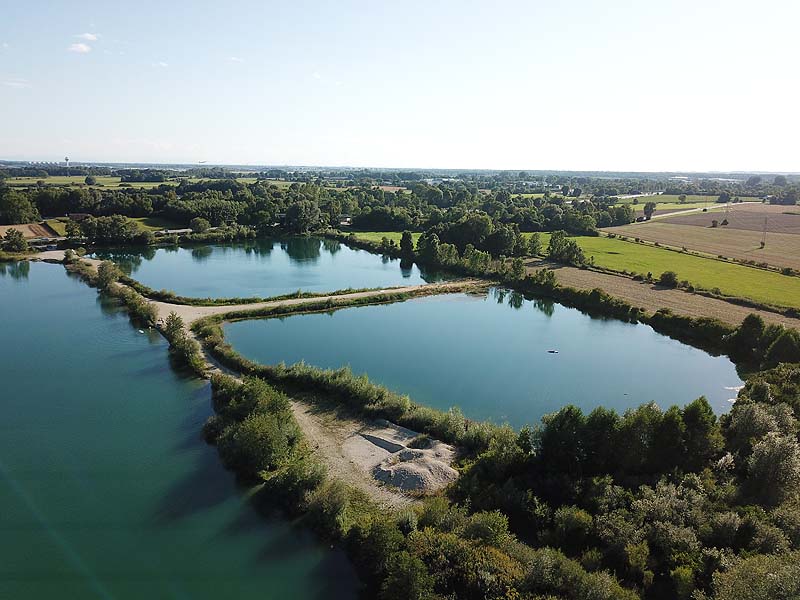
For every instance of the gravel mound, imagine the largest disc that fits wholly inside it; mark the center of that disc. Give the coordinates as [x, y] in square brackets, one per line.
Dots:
[425, 470]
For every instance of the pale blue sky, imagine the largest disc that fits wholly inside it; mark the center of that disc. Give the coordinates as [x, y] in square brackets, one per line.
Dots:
[617, 84]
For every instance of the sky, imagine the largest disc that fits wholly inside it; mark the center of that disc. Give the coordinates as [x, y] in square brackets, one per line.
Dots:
[672, 85]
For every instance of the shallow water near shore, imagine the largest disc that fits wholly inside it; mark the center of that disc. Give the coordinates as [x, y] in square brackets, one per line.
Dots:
[264, 268]
[491, 355]
[107, 489]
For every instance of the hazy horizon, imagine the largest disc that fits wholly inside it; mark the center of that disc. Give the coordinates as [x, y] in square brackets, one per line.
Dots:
[583, 86]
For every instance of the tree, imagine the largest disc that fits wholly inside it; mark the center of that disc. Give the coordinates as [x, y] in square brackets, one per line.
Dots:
[428, 247]
[15, 241]
[561, 441]
[90, 180]
[16, 208]
[107, 273]
[173, 326]
[73, 230]
[407, 244]
[760, 578]
[785, 349]
[262, 442]
[199, 225]
[517, 269]
[565, 250]
[535, 244]
[501, 241]
[668, 279]
[649, 209]
[774, 468]
[303, 216]
[702, 435]
[743, 343]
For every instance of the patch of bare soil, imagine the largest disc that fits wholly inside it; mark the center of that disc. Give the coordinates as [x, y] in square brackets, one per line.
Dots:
[652, 298]
[779, 219]
[374, 456]
[29, 230]
[781, 250]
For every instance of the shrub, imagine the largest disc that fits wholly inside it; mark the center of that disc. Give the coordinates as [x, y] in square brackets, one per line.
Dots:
[668, 279]
[199, 225]
[262, 442]
[760, 578]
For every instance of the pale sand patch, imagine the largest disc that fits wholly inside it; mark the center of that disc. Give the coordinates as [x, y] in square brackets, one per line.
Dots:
[362, 453]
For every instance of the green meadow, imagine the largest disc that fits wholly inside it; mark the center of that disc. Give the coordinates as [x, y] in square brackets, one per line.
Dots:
[731, 279]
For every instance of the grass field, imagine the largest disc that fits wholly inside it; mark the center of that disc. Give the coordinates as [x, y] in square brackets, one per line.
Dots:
[673, 206]
[377, 236]
[674, 199]
[731, 279]
[115, 182]
[79, 180]
[155, 223]
[58, 225]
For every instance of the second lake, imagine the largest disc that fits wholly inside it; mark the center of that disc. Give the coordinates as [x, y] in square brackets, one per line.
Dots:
[263, 268]
[490, 355]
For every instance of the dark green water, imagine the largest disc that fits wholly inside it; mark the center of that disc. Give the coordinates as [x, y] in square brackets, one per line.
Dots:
[489, 355]
[106, 489]
[264, 268]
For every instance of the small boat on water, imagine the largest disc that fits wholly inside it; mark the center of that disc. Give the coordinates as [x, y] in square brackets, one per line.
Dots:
[141, 331]
[552, 351]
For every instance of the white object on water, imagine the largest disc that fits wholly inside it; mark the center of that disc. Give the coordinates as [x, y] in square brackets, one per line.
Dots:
[552, 351]
[141, 331]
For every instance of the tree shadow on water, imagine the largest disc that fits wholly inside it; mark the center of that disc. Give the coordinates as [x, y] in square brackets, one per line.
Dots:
[207, 484]
[204, 487]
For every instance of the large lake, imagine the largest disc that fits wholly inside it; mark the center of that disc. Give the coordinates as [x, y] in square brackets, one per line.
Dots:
[489, 355]
[106, 488]
[264, 268]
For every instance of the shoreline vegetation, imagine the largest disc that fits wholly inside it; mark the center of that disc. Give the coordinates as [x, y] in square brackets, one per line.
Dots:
[390, 247]
[528, 545]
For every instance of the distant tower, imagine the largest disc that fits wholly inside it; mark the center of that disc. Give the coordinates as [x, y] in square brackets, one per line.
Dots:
[66, 160]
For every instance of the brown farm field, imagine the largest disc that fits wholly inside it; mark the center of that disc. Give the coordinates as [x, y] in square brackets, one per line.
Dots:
[749, 217]
[740, 239]
[29, 230]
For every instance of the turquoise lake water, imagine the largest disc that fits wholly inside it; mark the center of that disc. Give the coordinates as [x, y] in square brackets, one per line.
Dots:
[264, 268]
[106, 487]
[489, 355]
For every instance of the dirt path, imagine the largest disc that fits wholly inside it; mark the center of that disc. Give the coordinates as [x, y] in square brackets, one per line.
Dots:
[652, 298]
[190, 314]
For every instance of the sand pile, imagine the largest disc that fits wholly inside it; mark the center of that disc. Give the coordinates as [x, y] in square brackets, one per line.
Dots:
[425, 470]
